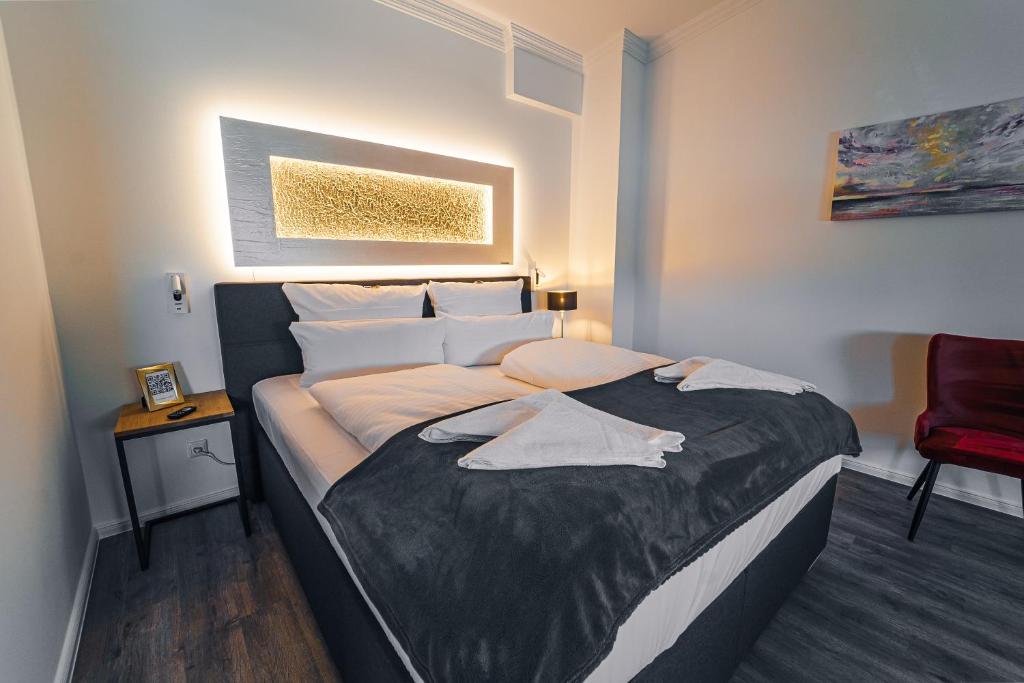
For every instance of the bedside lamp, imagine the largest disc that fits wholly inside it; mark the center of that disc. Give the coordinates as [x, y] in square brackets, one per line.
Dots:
[562, 300]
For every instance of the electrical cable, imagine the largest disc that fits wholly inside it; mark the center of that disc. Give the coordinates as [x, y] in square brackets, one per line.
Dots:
[198, 451]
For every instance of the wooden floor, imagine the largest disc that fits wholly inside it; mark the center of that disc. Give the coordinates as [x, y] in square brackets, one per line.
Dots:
[216, 607]
[213, 606]
[949, 606]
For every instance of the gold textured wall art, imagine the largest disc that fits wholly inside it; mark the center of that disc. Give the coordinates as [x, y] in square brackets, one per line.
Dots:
[317, 200]
[360, 203]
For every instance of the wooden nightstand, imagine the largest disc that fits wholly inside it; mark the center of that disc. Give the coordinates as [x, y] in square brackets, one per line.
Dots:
[135, 422]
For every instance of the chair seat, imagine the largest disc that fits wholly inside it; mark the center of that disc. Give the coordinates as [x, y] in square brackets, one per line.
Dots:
[976, 448]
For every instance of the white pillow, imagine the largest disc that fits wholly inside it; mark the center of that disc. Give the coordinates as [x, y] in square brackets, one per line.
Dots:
[346, 348]
[354, 302]
[476, 298]
[567, 364]
[485, 339]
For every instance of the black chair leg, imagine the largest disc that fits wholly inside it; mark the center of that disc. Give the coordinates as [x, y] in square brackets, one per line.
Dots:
[922, 505]
[920, 480]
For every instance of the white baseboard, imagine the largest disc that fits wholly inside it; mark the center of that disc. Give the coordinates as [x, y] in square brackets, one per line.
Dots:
[73, 634]
[119, 526]
[996, 504]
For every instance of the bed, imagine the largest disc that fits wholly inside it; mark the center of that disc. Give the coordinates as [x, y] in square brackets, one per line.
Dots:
[696, 624]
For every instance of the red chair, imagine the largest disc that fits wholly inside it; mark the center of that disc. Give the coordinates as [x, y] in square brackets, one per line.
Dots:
[975, 415]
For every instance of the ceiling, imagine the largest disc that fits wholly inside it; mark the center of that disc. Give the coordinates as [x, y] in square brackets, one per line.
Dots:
[583, 25]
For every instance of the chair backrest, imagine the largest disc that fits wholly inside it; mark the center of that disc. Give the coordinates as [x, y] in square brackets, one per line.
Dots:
[976, 383]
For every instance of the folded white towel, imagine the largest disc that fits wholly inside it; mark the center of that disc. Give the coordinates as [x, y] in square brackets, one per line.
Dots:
[723, 374]
[561, 436]
[497, 419]
[671, 374]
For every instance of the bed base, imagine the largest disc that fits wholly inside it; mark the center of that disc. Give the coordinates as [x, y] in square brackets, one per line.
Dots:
[709, 650]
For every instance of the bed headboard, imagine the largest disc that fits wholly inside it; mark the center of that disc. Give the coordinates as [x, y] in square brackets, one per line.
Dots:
[253, 320]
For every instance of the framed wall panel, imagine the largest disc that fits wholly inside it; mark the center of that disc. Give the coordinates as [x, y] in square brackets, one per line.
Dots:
[301, 198]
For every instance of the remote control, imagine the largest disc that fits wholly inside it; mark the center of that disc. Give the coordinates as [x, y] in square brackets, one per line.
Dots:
[181, 412]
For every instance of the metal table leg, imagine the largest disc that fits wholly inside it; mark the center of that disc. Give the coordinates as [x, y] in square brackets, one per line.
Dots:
[141, 540]
[243, 501]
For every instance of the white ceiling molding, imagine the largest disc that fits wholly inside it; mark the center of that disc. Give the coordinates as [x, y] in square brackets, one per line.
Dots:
[702, 23]
[626, 42]
[491, 33]
[525, 39]
[636, 47]
[453, 18]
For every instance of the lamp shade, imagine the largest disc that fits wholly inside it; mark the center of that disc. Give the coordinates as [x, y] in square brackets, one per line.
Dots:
[562, 300]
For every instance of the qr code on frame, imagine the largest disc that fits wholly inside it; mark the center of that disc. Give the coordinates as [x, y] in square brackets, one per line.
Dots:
[160, 384]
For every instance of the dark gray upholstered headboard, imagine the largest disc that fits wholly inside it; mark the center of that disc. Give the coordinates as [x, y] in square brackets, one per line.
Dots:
[253, 320]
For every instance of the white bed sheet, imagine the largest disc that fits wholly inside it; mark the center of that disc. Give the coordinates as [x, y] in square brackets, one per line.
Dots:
[317, 452]
[318, 449]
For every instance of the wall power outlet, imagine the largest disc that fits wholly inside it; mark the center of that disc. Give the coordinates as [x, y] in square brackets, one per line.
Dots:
[197, 448]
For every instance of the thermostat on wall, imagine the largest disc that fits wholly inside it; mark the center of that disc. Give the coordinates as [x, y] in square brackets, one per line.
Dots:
[177, 293]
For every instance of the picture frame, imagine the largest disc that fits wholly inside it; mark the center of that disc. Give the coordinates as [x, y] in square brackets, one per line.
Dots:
[160, 386]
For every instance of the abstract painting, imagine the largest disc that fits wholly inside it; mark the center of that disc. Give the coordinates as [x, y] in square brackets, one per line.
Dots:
[960, 161]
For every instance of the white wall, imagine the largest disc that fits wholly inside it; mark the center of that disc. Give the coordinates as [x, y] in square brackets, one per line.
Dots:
[45, 527]
[595, 196]
[120, 101]
[541, 81]
[631, 204]
[609, 172]
[741, 263]
[609, 168]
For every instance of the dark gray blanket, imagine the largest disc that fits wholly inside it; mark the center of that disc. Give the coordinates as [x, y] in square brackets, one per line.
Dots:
[526, 575]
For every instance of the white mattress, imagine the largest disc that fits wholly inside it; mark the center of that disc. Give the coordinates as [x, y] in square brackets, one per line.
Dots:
[317, 452]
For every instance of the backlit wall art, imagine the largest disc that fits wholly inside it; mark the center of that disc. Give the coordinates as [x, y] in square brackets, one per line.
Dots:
[302, 198]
